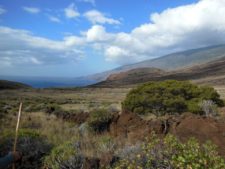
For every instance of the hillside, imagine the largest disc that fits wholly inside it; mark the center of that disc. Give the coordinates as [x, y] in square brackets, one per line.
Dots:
[4, 84]
[134, 74]
[208, 73]
[170, 62]
[183, 59]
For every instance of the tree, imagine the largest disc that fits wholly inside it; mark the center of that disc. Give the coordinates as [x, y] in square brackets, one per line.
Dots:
[170, 97]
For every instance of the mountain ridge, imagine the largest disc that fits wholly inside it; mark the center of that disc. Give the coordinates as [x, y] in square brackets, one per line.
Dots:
[212, 73]
[171, 61]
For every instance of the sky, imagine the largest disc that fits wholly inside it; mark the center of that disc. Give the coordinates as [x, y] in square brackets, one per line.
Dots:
[71, 38]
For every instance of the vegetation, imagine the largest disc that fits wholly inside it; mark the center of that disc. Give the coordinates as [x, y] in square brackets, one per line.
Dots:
[171, 153]
[32, 146]
[170, 97]
[5, 84]
[80, 152]
[50, 138]
[65, 156]
[99, 120]
[209, 108]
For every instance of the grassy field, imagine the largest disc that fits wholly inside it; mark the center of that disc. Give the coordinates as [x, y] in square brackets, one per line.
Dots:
[83, 98]
[69, 100]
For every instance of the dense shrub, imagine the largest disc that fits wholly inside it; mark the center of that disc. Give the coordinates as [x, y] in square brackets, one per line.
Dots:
[52, 108]
[99, 120]
[170, 153]
[32, 146]
[169, 97]
[65, 156]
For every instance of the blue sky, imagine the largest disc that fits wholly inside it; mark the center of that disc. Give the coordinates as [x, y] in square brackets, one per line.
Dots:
[72, 38]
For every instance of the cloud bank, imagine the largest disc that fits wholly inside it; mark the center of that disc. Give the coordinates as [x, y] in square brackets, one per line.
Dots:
[190, 26]
[18, 47]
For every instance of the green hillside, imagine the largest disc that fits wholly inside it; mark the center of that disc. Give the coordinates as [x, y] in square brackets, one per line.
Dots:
[4, 84]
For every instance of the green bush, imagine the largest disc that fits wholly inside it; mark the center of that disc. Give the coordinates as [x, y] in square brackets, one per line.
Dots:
[64, 156]
[171, 153]
[52, 108]
[99, 120]
[169, 97]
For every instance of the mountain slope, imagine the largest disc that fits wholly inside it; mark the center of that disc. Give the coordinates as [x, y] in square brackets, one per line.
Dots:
[135, 75]
[4, 84]
[183, 59]
[208, 73]
[170, 62]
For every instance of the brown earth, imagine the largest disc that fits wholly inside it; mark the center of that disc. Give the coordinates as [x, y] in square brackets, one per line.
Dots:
[202, 129]
[131, 74]
[134, 128]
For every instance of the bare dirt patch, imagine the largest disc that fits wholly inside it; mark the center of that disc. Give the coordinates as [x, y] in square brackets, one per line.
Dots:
[130, 126]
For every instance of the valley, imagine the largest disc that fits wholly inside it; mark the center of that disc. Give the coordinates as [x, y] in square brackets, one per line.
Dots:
[61, 115]
[97, 126]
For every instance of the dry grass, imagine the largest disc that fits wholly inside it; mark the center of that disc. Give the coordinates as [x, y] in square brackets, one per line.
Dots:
[54, 129]
[221, 91]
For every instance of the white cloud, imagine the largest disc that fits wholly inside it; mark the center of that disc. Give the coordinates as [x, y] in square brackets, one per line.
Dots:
[116, 53]
[191, 26]
[89, 1]
[35, 61]
[21, 47]
[2, 10]
[74, 41]
[54, 19]
[71, 11]
[32, 10]
[97, 33]
[96, 17]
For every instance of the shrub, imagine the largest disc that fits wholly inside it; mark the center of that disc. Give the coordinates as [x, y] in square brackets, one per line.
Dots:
[99, 120]
[106, 144]
[169, 97]
[32, 146]
[65, 156]
[209, 108]
[171, 153]
[3, 112]
[52, 108]
[35, 107]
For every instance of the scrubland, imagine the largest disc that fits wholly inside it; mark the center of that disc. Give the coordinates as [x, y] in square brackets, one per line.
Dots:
[84, 128]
